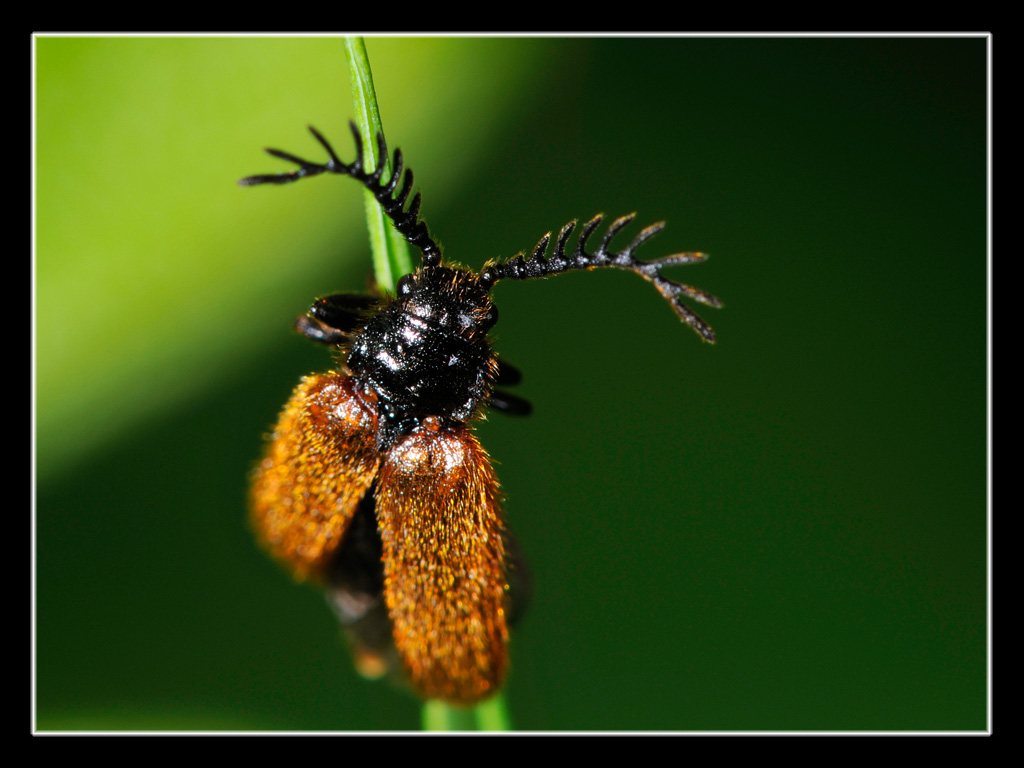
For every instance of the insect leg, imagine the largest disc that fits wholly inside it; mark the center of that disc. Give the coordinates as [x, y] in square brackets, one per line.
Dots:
[508, 374]
[510, 404]
[332, 319]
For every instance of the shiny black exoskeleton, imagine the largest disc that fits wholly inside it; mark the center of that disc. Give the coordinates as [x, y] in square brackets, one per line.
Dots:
[427, 352]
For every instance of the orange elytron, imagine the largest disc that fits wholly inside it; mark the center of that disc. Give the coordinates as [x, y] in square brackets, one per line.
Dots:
[373, 484]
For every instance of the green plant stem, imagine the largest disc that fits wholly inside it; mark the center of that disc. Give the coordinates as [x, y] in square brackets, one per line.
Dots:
[391, 260]
[390, 252]
[490, 715]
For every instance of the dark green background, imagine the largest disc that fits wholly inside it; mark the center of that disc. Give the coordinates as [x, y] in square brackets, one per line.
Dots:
[786, 530]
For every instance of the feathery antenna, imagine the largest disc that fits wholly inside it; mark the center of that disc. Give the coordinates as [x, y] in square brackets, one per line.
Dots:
[407, 222]
[537, 264]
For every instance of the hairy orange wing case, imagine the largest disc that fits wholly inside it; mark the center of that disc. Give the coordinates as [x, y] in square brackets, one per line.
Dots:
[439, 513]
[321, 462]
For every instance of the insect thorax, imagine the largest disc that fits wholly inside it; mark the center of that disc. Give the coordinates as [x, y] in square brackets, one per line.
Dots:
[426, 353]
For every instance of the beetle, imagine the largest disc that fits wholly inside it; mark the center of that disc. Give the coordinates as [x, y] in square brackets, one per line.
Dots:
[373, 483]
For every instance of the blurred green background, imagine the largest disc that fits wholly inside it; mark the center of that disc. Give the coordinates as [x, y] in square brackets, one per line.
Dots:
[786, 530]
